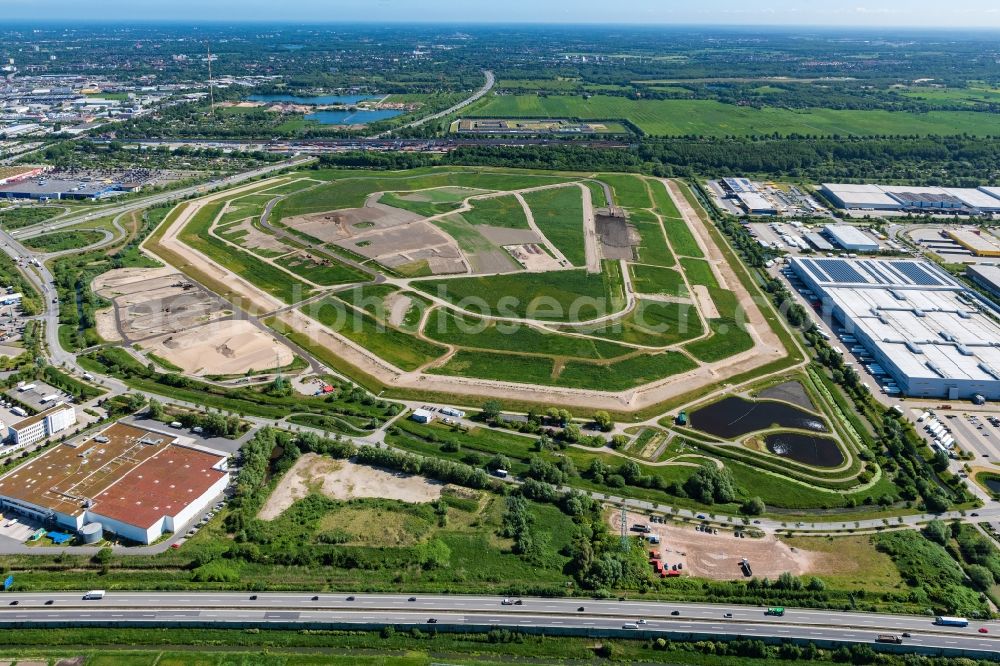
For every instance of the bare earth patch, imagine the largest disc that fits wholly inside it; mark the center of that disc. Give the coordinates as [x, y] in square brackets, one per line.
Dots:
[230, 347]
[718, 556]
[343, 480]
[704, 300]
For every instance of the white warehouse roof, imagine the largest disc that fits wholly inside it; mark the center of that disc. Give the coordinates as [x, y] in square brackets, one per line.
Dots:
[850, 238]
[861, 196]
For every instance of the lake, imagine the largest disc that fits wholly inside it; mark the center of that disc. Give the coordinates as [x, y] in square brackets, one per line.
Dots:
[345, 117]
[735, 417]
[806, 449]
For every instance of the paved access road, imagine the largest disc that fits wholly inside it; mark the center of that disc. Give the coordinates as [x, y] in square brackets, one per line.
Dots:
[595, 618]
[479, 94]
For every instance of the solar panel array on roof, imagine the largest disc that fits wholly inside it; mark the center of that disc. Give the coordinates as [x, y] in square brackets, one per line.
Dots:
[917, 274]
[841, 271]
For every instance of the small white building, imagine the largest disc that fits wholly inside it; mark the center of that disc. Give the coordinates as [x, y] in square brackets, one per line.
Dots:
[44, 424]
[422, 416]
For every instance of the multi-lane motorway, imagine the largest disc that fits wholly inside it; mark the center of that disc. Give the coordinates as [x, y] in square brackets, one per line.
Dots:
[587, 616]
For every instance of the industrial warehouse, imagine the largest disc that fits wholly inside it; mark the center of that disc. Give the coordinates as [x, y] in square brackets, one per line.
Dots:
[126, 482]
[907, 198]
[919, 326]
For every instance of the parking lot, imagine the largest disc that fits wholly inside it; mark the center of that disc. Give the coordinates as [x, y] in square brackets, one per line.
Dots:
[33, 393]
[973, 431]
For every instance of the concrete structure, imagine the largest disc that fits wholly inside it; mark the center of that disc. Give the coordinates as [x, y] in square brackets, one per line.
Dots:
[850, 238]
[137, 483]
[915, 321]
[981, 244]
[55, 188]
[44, 424]
[987, 277]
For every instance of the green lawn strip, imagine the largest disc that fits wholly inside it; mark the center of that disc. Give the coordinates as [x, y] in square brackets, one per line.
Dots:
[505, 211]
[424, 208]
[653, 248]
[558, 213]
[63, 240]
[163, 363]
[650, 324]
[699, 271]
[558, 296]
[291, 188]
[624, 374]
[327, 423]
[729, 335]
[658, 280]
[463, 331]
[662, 200]
[321, 270]
[263, 275]
[629, 191]
[498, 367]
[781, 491]
[399, 348]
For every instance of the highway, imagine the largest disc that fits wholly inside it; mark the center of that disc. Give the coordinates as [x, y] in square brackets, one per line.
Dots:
[598, 617]
[156, 199]
[479, 94]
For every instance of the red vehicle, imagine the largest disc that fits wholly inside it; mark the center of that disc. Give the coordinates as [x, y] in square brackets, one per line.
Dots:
[653, 555]
[984, 630]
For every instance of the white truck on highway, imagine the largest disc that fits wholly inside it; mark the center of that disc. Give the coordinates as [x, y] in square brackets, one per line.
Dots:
[94, 594]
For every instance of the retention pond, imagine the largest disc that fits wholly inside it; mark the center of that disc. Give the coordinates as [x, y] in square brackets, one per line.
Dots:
[734, 417]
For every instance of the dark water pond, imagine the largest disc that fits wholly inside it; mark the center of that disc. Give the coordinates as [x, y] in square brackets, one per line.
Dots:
[993, 483]
[806, 449]
[734, 417]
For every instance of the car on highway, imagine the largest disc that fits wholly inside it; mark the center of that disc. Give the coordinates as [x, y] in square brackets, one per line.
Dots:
[412, 599]
[728, 616]
[15, 602]
[315, 597]
[49, 602]
[580, 609]
[984, 630]
[432, 620]
[676, 612]
[507, 602]
[350, 598]
[253, 597]
[640, 621]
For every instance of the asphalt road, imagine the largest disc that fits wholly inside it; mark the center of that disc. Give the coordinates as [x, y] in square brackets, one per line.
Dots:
[479, 94]
[552, 615]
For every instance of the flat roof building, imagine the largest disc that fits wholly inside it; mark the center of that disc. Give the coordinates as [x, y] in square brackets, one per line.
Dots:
[137, 483]
[755, 204]
[981, 244]
[44, 424]
[915, 321]
[987, 277]
[859, 197]
[850, 238]
[818, 242]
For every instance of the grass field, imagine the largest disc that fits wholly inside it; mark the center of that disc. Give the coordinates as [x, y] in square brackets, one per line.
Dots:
[16, 218]
[558, 296]
[63, 240]
[449, 328]
[658, 280]
[711, 118]
[347, 190]
[559, 214]
[653, 248]
[629, 191]
[470, 240]
[624, 374]
[698, 271]
[505, 211]
[403, 350]
[680, 236]
[499, 367]
[652, 324]
[729, 334]
[322, 271]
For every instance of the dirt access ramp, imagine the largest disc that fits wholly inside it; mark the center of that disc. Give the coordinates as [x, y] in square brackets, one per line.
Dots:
[344, 480]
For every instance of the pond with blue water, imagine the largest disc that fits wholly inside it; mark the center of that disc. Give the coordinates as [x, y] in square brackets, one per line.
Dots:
[349, 116]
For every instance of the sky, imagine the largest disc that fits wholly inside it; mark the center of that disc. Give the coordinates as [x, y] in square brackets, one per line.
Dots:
[867, 13]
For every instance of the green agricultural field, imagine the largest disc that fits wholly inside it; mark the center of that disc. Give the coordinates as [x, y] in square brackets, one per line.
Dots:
[558, 296]
[559, 214]
[698, 271]
[499, 367]
[680, 117]
[678, 233]
[16, 218]
[505, 211]
[403, 350]
[651, 324]
[58, 241]
[658, 280]
[321, 270]
[474, 333]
